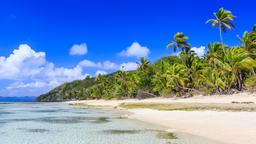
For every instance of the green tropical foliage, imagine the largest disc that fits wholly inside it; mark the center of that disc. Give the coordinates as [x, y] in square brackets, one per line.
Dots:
[222, 70]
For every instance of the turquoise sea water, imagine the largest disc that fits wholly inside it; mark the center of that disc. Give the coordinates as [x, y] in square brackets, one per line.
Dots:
[55, 123]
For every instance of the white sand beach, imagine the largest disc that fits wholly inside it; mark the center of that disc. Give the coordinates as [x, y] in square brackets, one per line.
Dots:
[225, 126]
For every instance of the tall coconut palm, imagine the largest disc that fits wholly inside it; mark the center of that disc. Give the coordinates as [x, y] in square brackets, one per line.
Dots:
[180, 41]
[223, 20]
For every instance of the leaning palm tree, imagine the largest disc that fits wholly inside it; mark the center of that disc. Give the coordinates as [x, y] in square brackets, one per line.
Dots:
[177, 78]
[223, 20]
[238, 60]
[180, 41]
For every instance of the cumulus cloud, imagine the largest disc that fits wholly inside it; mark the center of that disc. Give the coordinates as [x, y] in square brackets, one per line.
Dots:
[30, 69]
[28, 72]
[21, 85]
[100, 72]
[78, 49]
[88, 63]
[107, 65]
[22, 63]
[200, 51]
[129, 66]
[135, 50]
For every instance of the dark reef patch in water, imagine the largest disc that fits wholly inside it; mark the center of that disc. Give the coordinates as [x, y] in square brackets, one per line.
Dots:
[45, 111]
[60, 120]
[23, 119]
[79, 112]
[119, 131]
[34, 130]
[121, 117]
[5, 113]
[2, 113]
[101, 120]
[50, 111]
[166, 135]
[159, 133]
[2, 123]
[65, 120]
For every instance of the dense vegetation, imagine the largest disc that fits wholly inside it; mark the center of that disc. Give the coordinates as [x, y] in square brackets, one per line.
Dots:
[222, 70]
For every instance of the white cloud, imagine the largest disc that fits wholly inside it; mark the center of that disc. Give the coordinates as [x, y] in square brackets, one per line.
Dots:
[100, 72]
[28, 70]
[88, 63]
[78, 49]
[200, 51]
[19, 85]
[107, 65]
[135, 50]
[22, 63]
[129, 66]
[62, 74]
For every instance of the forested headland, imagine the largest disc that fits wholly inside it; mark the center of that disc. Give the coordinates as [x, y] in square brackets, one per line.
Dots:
[223, 69]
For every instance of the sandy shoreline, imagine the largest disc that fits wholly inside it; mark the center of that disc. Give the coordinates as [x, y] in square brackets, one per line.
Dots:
[225, 127]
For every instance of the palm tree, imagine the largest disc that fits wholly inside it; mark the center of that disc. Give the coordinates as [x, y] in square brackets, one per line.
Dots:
[248, 42]
[159, 79]
[211, 80]
[177, 77]
[180, 41]
[187, 57]
[238, 60]
[126, 83]
[144, 72]
[143, 64]
[245, 40]
[223, 20]
[214, 54]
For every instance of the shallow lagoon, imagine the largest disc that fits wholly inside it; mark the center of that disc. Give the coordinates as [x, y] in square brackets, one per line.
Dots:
[56, 123]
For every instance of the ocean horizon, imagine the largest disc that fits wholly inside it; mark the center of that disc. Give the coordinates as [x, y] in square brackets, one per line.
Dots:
[17, 98]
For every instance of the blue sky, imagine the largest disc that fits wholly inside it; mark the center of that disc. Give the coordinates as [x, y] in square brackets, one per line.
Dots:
[104, 34]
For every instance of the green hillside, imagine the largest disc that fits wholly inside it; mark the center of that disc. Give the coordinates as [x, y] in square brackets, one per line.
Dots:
[222, 69]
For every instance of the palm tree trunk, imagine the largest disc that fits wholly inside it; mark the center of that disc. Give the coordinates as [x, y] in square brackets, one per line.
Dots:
[221, 39]
[239, 82]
